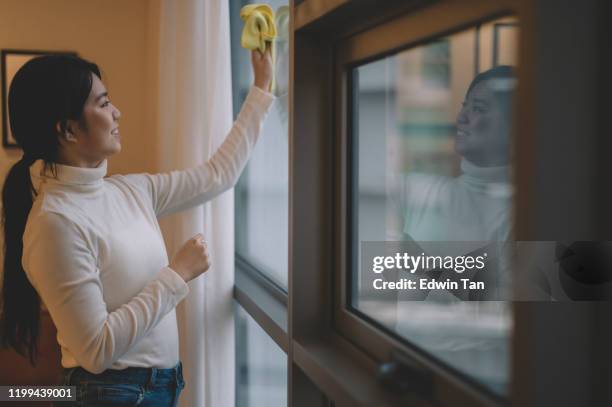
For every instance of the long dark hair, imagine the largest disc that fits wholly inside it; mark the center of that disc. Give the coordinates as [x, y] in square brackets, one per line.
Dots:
[504, 84]
[47, 90]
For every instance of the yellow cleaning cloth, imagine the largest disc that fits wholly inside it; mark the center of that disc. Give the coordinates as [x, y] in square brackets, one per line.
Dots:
[259, 29]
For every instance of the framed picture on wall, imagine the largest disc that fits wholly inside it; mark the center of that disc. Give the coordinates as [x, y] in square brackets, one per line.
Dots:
[11, 60]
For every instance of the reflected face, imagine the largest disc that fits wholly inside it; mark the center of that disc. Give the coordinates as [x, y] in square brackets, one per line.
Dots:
[482, 128]
[98, 131]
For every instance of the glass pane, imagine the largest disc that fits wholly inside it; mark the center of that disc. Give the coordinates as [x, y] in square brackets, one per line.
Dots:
[432, 164]
[261, 366]
[262, 193]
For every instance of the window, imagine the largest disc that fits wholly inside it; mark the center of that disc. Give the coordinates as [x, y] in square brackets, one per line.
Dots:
[376, 91]
[261, 230]
[432, 164]
[261, 366]
[262, 201]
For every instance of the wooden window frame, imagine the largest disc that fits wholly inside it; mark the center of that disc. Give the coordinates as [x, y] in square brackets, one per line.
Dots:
[407, 31]
[325, 361]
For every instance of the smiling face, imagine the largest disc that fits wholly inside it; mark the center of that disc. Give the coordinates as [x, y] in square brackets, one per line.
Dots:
[96, 136]
[483, 128]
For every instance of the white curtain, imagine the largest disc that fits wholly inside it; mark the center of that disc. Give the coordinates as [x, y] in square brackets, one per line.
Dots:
[195, 114]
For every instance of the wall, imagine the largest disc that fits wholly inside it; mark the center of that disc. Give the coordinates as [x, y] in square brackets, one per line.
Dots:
[111, 33]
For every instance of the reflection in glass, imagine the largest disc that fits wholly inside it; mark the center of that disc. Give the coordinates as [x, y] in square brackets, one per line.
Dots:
[262, 193]
[433, 122]
[261, 366]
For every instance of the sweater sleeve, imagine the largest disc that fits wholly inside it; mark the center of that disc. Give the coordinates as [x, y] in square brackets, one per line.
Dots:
[61, 265]
[178, 190]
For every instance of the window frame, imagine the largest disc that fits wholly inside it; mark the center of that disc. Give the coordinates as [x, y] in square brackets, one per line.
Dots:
[324, 363]
[436, 21]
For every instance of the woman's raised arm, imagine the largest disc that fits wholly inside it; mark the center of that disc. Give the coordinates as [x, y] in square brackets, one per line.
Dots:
[178, 190]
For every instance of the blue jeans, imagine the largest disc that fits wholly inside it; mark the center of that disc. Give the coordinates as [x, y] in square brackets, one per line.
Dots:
[134, 386]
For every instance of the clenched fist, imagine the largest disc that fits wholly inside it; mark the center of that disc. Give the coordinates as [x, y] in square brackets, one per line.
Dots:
[192, 259]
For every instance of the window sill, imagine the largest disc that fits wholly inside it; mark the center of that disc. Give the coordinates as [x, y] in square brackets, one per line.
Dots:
[263, 305]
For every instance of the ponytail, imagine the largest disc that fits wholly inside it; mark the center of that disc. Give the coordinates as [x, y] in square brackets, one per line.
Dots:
[45, 91]
[19, 328]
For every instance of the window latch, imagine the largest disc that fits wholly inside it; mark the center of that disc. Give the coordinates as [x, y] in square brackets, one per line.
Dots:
[402, 375]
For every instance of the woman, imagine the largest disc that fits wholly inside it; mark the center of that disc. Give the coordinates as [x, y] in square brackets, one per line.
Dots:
[89, 248]
[475, 206]
[456, 216]
[471, 212]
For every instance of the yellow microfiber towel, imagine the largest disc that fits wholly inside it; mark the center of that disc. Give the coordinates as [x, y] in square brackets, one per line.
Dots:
[259, 30]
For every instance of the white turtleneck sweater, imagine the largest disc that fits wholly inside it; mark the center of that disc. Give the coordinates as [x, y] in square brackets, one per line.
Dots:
[475, 209]
[94, 252]
[472, 207]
